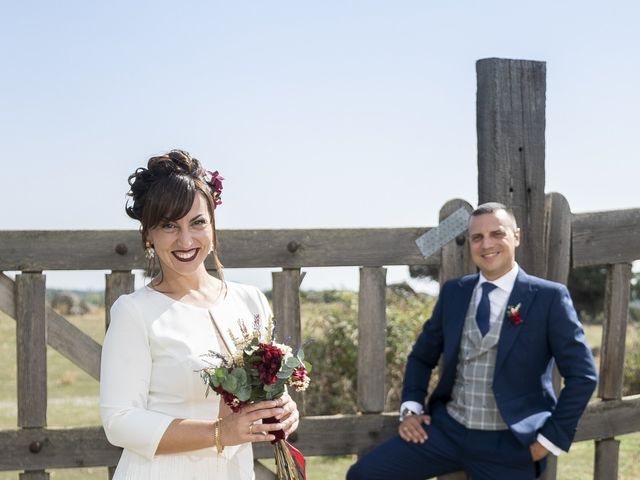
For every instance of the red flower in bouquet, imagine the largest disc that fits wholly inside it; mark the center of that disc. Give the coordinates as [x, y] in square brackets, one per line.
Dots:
[269, 364]
[514, 314]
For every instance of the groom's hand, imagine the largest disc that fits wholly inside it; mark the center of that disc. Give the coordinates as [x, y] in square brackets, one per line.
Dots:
[411, 429]
[538, 452]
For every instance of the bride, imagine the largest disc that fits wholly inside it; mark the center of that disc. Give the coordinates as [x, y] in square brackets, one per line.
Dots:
[152, 399]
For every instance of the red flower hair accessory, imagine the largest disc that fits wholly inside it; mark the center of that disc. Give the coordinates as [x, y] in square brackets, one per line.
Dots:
[514, 314]
[215, 182]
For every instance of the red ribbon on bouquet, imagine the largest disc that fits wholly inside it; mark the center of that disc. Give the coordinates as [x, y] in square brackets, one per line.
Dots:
[289, 460]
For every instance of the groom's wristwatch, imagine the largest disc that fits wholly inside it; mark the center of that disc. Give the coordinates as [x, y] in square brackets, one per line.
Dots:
[406, 412]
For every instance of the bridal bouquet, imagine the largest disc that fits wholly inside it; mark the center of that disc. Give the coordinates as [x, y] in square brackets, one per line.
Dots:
[260, 369]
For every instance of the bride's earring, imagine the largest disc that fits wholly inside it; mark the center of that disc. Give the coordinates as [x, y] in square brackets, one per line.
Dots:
[149, 251]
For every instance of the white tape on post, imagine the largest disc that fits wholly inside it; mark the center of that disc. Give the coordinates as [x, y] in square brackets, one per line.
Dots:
[436, 238]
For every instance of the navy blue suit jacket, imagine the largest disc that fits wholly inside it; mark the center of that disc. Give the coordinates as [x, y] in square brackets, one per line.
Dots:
[522, 381]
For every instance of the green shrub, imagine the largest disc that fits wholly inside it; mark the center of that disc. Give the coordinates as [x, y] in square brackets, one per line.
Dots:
[330, 319]
[631, 385]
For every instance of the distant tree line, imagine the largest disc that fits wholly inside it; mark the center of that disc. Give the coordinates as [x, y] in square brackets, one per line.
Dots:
[75, 302]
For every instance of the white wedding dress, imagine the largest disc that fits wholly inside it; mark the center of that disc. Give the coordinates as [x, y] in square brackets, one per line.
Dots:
[151, 357]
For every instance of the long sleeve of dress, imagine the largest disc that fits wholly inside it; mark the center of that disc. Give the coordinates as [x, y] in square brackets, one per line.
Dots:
[124, 383]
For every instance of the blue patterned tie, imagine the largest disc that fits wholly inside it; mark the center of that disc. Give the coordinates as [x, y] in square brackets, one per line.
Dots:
[483, 313]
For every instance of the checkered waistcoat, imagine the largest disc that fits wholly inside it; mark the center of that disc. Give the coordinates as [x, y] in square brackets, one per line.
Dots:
[473, 403]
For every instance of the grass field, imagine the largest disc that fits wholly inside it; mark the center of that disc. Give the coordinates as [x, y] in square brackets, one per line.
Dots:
[73, 401]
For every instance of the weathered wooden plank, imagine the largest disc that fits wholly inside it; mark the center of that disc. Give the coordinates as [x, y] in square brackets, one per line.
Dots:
[286, 310]
[455, 257]
[116, 284]
[31, 347]
[606, 459]
[325, 435]
[286, 305]
[62, 335]
[120, 250]
[261, 472]
[73, 343]
[617, 294]
[598, 238]
[455, 262]
[614, 332]
[557, 238]
[32, 449]
[557, 254]
[86, 447]
[7, 296]
[610, 418]
[511, 147]
[372, 323]
[606, 237]
[338, 434]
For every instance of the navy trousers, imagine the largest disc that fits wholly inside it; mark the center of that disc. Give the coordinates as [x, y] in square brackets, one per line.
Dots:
[485, 455]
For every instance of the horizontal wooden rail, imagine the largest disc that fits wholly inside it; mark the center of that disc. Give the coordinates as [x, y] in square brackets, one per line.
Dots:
[62, 335]
[31, 250]
[604, 419]
[597, 238]
[325, 435]
[600, 238]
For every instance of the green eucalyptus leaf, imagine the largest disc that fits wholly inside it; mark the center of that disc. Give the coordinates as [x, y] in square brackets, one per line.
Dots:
[244, 393]
[230, 384]
[307, 366]
[240, 374]
[292, 362]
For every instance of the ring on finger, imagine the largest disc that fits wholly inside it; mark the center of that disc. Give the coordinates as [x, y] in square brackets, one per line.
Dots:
[251, 429]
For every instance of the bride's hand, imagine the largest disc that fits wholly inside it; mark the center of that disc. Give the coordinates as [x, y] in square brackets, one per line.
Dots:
[241, 427]
[290, 417]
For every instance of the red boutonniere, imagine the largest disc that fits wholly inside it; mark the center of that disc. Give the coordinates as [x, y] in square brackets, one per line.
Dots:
[514, 314]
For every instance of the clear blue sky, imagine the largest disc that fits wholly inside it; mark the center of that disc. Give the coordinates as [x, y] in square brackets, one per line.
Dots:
[319, 114]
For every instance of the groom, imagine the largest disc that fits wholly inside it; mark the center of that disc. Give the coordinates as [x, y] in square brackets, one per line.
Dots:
[494, 413]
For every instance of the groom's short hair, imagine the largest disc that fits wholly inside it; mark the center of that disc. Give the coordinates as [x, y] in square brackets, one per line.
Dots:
[493, 207]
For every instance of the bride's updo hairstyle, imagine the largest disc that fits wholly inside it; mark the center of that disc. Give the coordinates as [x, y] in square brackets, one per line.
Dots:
[166, 190]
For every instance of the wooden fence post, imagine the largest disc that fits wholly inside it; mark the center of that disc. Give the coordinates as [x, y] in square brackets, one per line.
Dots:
[510, 123]
[455, 262]
[116, 283]
[286, 310]
[372, 335]
[557, 237]
[557, 253]
[617, 294]
[31, 349]
[372, 324]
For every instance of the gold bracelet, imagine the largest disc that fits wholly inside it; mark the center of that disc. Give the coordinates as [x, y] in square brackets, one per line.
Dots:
[217, 435]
